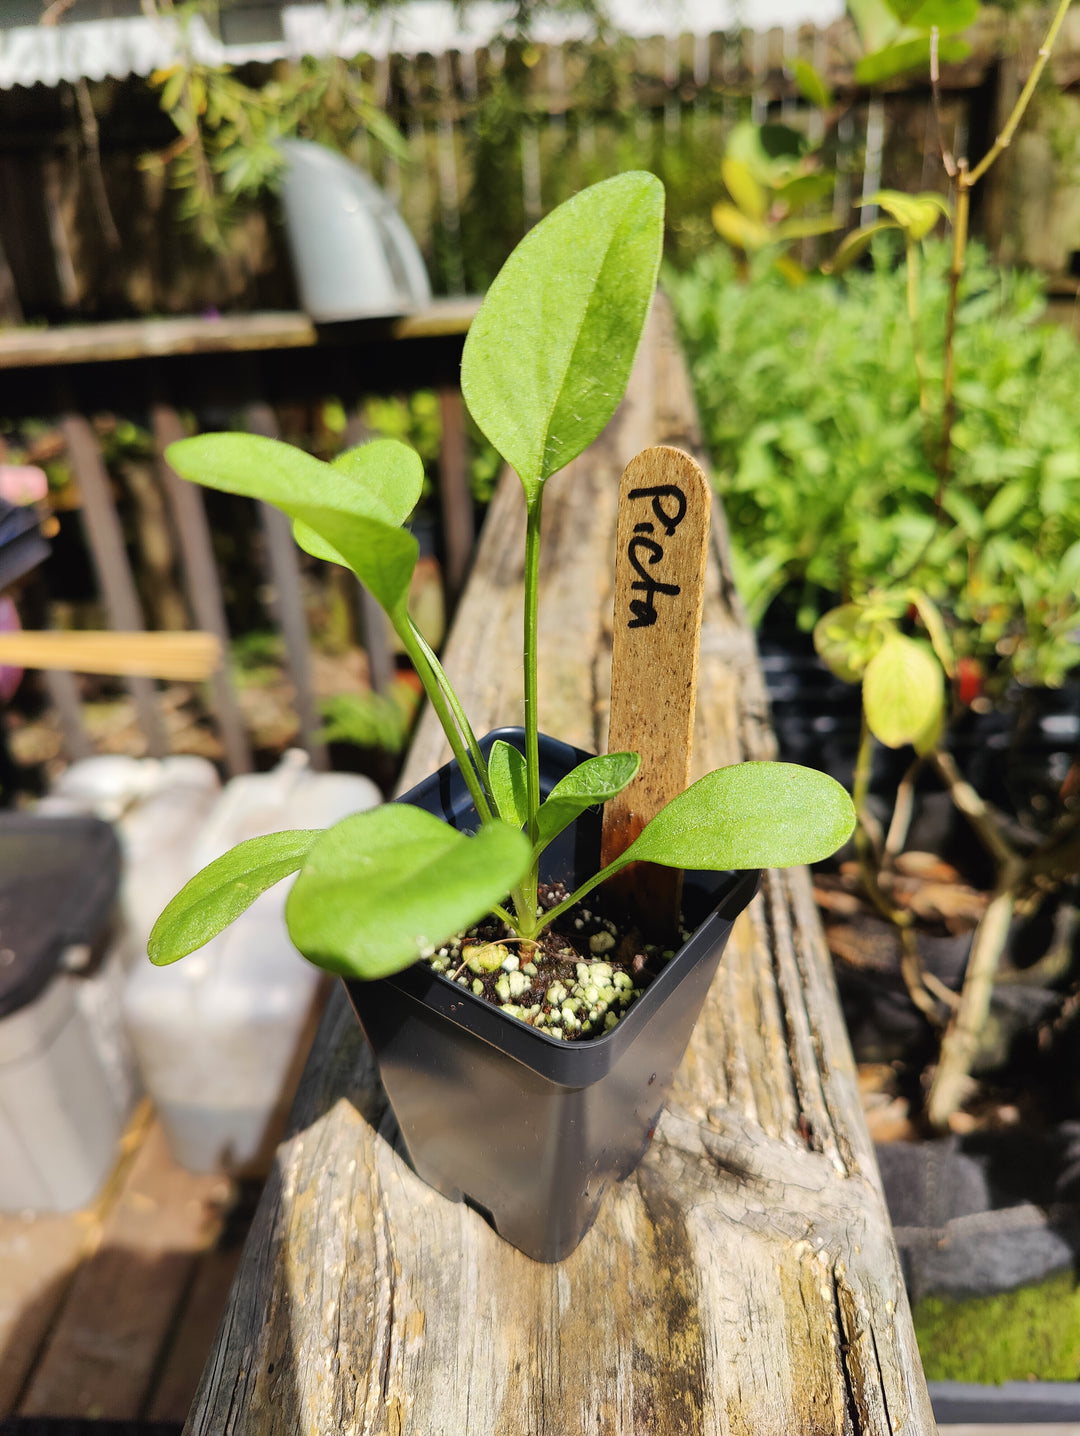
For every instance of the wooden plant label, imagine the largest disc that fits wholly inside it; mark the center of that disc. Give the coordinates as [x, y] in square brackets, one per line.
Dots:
[662, 542]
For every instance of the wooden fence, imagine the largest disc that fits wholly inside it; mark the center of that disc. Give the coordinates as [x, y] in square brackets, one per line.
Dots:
[498, 136]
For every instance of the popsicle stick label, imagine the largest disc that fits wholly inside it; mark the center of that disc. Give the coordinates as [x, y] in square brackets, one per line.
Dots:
[661, 550]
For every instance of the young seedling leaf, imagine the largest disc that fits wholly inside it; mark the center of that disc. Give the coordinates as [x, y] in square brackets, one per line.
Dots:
[935, 628]
[549, 354]
[223, 890]
[383, 887]
[737, 228]
[378, 480]
[749, 196]
[390, 475]
[509, 786]
[750, 815]
[381, 555]
[907, 55]
[855, 245]
[592, 782]
[916, 214]
[845, 641]
[903, 691]
[811, 84]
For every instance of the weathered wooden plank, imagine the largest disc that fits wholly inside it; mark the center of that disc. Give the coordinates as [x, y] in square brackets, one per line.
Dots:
[148, 338]
[111, 566]
[455, 497]
[744, 1280]
[38, 1257]
[149, 1241]
[202, 583]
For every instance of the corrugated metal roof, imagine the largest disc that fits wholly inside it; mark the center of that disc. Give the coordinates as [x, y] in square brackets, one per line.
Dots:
[136, 45]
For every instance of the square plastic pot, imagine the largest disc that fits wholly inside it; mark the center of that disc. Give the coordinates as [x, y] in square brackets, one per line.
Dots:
[529, 1129]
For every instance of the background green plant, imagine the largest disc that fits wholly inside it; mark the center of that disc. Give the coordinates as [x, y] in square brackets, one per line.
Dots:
[810, 400]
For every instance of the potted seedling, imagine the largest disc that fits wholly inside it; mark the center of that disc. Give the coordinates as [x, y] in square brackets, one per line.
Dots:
[524, 1074]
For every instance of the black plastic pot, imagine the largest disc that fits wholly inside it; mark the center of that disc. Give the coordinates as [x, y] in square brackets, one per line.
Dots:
[530, 1129]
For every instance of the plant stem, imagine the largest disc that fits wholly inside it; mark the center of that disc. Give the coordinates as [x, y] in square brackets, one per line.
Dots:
[948, 382]
[530, 883]
[460, 716]
[432, 688]
[1004, 139]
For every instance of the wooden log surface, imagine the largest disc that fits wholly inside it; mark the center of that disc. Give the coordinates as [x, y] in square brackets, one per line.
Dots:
[744, 1280]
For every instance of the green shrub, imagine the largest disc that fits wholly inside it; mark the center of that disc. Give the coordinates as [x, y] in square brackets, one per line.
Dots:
[810, 405]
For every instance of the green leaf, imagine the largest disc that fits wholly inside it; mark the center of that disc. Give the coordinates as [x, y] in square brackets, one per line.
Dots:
[380, 480]
[856, 244]
[948, 16]
[906, 55]
[805, 189]
[381, 888]
[771, 152]
[548, 356]
[592, 782]
[811, 85]
[347, 513]
[1007, 503]
[903, 691]
[935, 628]
[223, 890]
[916, 214]
[805, 227]
[391, 475]
[846, 641]
[751, 815]
[743, 188]
[737, 228]
[509, 783]
[381, 555]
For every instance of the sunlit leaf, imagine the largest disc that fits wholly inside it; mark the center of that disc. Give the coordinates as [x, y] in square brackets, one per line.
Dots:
[743, 188]
[223, 890]
[590, 783]
[548, 356]
[916, 214]
[383, 887]
[506, 773]
[855, 245]
[907, 55]
[751, 815]
[903, 691]
[846, 641]
[811, 84]
[737, 228]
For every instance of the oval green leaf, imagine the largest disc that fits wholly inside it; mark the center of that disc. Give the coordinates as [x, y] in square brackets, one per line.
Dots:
[743, 188]
[750, 815]
[224, 889]
[903, 691]
[509, 783]
[381, 555]
[592, 782]
[846, 642]
[916, 214]
[548, 356]
[381, 888]
[811, 84]
[380, 480]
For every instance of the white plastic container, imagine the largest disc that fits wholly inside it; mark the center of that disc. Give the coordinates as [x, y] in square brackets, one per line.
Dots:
[156, 807]
[59, 1115]
[217, 1034]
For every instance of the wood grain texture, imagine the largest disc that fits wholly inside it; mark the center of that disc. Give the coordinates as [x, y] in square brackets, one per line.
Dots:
[744, 1280]
[661, 552]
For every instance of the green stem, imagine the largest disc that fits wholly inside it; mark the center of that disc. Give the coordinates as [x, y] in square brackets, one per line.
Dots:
[529, 650]
[426, 674]
[460, 716]
[531, 881]
[576, 896]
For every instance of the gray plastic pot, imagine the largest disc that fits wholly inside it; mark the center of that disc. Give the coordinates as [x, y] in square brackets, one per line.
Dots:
[527, 1128]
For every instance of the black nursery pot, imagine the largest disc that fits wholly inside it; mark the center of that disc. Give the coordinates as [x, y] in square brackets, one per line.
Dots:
[530, 1129]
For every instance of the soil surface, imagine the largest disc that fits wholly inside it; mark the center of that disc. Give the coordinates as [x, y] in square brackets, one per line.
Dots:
[576, 981]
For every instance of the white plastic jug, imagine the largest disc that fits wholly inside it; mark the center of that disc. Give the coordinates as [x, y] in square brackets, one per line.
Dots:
[217, 1033]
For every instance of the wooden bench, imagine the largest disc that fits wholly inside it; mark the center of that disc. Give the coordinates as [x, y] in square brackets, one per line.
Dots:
[745, 1278]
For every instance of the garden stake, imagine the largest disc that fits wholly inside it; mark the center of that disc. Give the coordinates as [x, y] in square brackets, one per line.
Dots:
[661, 547]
